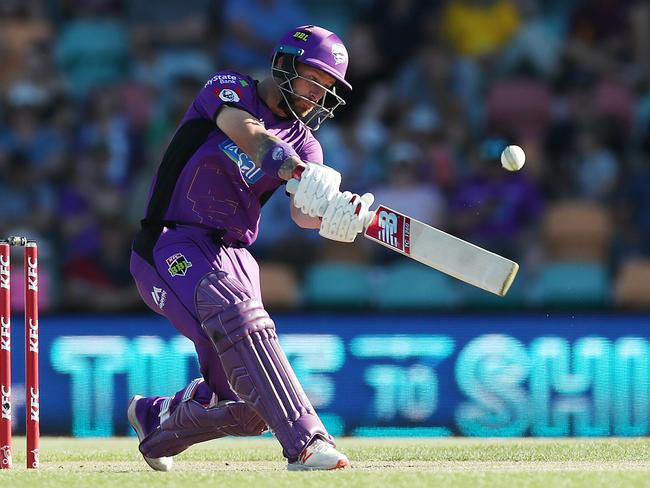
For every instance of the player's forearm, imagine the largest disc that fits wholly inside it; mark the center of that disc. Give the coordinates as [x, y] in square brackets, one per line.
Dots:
[266, 144]
[252, 138]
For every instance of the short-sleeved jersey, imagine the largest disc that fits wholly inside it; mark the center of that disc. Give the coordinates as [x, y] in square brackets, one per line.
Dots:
[206, 179]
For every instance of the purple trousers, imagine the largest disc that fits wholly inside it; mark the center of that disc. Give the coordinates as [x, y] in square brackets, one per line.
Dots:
[211, 294]
[182, 258]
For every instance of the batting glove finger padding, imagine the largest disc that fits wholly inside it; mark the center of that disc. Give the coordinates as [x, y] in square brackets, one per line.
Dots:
[345, 216]
[318, 184]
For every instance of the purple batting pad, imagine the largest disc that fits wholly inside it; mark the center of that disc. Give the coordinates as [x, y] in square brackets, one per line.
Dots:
[257, 369]
[191, 421]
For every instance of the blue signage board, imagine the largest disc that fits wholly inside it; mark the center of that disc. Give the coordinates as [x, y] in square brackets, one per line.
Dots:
[371, 375]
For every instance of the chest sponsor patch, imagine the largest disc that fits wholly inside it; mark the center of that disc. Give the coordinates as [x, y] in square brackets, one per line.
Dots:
[177, 264]
[249, 171]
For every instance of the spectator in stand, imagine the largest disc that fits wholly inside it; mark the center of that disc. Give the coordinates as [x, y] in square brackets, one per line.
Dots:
[28, 130]
[397, 26]
[173, 39]
[480, 28]
[93, 48]
[85, 196]
[25, 202]
[249, 37]
[406, 190]
[610, 37]
[494, 208]
[99, 281]
[107, 126]
[22, 25]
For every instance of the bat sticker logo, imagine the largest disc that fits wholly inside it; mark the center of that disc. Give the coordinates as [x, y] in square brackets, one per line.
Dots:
[392, 229]
[387, 221]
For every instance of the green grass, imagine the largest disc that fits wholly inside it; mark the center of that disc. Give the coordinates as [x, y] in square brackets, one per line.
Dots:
[233, 463]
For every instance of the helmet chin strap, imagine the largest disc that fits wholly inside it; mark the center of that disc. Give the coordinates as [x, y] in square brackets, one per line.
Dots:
[320, 112]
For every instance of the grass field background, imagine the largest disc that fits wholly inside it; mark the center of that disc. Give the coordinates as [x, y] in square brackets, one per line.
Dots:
[549, 463]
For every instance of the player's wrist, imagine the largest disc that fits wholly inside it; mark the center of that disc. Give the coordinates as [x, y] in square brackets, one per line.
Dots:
[291, 168]
[280, 159]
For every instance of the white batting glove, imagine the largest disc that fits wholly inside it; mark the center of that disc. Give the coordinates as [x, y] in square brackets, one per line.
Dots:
[317, 186]
[345, 216]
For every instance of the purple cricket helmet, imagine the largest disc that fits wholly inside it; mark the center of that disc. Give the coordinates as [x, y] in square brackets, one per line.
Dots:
[320, 49]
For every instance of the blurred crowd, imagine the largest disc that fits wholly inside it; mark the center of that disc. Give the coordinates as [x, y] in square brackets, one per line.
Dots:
[91, 92]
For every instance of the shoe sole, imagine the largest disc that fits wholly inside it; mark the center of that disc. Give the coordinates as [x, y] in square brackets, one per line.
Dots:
[341, 464]
[135, 423]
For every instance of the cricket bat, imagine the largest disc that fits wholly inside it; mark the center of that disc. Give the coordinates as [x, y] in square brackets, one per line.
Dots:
[437, 249]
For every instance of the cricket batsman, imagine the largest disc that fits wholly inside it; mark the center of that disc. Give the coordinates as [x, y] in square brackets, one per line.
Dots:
[239, 142]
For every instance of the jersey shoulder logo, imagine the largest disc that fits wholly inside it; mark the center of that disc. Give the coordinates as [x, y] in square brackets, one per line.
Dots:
[177, 264]
[228, 95]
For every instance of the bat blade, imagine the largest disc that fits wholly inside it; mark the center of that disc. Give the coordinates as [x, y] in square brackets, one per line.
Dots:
[439, 250]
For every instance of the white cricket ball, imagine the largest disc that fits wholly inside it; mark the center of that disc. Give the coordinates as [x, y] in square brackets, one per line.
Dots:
[513, 158]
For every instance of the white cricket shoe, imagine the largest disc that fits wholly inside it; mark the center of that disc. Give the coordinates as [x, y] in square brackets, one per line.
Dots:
[159, 464]
[319, 455]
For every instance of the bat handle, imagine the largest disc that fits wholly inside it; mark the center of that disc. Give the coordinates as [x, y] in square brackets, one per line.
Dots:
[292, 183]
[292, 186]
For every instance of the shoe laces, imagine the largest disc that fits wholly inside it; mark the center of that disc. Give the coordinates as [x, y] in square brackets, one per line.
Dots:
[320, 445]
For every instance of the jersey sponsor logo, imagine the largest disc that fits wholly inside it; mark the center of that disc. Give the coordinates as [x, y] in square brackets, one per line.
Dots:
[228, 95]
[392, 229]
[340, 53]
[177, 264]
[223, 79]
[159, 297]
[247, 168]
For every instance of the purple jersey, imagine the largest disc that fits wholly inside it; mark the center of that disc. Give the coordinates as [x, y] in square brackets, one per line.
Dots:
[206, 179]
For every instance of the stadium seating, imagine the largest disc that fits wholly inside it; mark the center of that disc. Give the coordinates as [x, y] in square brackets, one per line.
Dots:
[572, 284]
[410, 285]
[577, 231]
[279, 285]
[335, 284]
[519, 106]
[632, 290]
